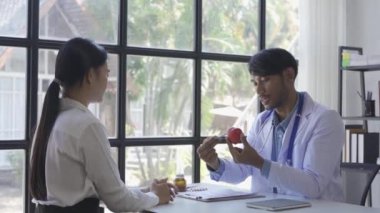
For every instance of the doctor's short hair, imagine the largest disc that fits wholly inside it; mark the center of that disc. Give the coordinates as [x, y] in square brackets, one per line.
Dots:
[272, 62]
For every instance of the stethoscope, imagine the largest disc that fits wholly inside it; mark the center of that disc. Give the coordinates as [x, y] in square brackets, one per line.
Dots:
[289, 155]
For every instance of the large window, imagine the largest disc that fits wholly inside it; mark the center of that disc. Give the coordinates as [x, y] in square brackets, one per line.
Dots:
[282, 25]
[160, 97]
[143, 163]
[161, 24]
[95, 19]
[9, 25]
[230, 26]
[12, 167]
[178, 74]
[12, 92]
[228, 98]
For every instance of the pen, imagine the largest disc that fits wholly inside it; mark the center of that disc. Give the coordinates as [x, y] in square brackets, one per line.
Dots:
[369, 95]
[360, 95]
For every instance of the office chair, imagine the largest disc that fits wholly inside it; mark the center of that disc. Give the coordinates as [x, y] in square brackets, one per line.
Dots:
[357, 180]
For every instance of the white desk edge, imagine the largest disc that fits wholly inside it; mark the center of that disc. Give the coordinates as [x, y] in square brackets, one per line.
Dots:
[182, 205]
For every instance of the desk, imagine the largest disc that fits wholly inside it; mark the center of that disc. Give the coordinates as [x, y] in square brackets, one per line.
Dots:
[182, 205]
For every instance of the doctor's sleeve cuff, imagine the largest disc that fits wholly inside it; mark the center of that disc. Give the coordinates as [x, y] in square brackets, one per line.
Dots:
[266, 168]
[216, 174]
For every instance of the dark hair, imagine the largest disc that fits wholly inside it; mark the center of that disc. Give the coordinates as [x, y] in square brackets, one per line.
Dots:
[272, 61]
[74, 61]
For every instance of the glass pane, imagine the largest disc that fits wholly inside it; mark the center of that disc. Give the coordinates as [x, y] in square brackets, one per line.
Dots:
[230, 26]
[114, 153]
[13, 16]
[12, 176]
[160, 97]
[222, 150]
[228, 97]
[143, 164]
[282, 25]
[95, 19]
[12, 92]
[105, 111]
[161, 24]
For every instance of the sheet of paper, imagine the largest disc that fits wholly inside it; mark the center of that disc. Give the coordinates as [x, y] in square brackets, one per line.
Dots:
[204, 193]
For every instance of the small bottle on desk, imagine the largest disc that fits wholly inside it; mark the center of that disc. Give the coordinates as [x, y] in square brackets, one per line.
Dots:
[180, 182]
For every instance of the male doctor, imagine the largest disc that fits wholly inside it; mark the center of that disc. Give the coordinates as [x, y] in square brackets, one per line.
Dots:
[293, 147]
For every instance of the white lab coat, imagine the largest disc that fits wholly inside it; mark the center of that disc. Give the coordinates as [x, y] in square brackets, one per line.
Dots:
[316, 155]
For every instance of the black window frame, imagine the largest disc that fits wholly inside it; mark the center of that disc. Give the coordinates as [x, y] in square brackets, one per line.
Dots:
[32, 43]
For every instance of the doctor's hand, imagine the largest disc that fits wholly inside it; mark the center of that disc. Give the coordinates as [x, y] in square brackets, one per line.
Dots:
[247, 155]
[206, 151]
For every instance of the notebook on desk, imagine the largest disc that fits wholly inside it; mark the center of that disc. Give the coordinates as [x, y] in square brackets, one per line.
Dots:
[278, 204]
[211, 194]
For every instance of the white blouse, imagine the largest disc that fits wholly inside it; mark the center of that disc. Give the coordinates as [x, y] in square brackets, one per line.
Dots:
[79, 164]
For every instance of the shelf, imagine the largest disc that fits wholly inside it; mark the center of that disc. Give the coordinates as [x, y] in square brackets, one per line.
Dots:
[360, 118]
[343, 71]
[374, 67]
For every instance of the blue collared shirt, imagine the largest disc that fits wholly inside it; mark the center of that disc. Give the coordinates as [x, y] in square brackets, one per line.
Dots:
[279, 129]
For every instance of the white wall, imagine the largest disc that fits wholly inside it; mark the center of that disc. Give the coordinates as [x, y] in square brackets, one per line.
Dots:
[363, 31]
[363, 24]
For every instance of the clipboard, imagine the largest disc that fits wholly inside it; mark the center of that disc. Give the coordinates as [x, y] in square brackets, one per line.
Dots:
[212, 194]
[278, 204]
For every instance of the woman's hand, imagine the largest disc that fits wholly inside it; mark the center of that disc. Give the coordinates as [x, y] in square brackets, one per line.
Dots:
[172, 187]
[164, 190]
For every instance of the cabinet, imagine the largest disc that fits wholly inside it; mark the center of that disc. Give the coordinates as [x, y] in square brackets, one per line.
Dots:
[362, 70]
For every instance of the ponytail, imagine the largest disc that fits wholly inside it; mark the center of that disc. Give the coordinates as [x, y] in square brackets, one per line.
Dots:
[50, 110]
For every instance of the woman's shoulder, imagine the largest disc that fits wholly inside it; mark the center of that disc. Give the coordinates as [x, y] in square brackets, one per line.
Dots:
[76, 120]
[73, 109]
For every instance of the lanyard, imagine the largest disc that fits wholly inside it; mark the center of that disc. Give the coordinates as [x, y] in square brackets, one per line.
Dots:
[294, 130]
